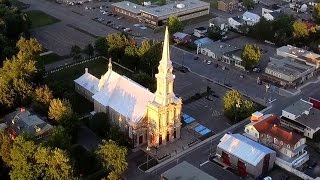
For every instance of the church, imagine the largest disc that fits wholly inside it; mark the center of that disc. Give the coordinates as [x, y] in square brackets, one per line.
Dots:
[147, 118]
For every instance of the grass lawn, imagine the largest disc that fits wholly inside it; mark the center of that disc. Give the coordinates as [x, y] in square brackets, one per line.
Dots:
[39, 18]
[62, 85]
[50, 58]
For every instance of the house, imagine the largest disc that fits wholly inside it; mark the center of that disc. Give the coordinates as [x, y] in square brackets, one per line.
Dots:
[287, 72]
[271, 8]
[219, 22]
[272, 15]
[217, 50]
[301, 55]
[152, 119]
[24, 121]
[250, 18]
[290, 146]
[245, 155]
[200, 32]
[235, 22]
[228, 5]
[235, 58]
[299, 7]
[180, 37]
[303, 117]
[185, 170]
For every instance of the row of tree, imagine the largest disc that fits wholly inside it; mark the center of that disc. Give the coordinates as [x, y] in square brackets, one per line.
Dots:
[13, 24]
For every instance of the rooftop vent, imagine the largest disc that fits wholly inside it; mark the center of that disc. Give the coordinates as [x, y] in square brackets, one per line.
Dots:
[134, 6]
[128, 4]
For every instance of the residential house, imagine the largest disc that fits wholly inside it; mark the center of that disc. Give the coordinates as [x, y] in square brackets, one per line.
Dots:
[303, 117]
[245, 155]
[299, 7]
[203, 41]
[217, 50]
[235, 22]
[290, 146]
[184, 170]
[269, 9]
[180, 37]
[220, 23]
[287, 72]
[250, 18]
[228, 5]
[200, 32]
[272, 15]
[24, 121]
[299, 54]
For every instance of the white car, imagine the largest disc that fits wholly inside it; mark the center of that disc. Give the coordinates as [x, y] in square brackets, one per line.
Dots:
[208, 62]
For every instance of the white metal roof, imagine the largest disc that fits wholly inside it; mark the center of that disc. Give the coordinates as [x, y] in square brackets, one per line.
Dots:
[89, 82]
[252, 16]
[244, 148]
[123, 95]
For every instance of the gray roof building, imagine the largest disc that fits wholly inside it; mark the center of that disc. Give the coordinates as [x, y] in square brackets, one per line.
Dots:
[299, 107]
[185, 171]
[219, 48]
[129, 6]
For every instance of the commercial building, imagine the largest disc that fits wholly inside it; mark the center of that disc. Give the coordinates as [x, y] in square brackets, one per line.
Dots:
[183, 171]
[228, 5]
[303, 117]
[290, 146]
[287, 72]
[158, 15]
[245, 155]
[299, 54]
[148, 118]
[23, 121]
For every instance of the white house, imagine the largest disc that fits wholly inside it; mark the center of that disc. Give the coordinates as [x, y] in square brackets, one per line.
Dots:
[235, 22]
[250, 18]
[200, 32]
[219, 22]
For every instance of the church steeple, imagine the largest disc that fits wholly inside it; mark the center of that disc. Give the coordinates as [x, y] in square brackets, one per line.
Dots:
[164, 93]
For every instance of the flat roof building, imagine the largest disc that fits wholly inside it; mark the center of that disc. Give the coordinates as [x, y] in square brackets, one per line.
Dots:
[158, 15]
[185, 170]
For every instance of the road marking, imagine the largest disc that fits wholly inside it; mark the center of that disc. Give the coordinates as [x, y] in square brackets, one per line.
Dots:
[204, 163]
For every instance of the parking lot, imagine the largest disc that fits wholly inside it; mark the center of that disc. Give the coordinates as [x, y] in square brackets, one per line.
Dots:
[206, 112]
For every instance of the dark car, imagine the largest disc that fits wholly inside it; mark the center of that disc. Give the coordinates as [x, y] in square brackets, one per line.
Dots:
[110, 14]
[311, 164]
[114, 15]
[108, 22]
[196, 58]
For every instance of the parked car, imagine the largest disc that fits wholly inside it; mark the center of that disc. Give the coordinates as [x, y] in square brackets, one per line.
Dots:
[108, 22]
[127, 30]
[196, 58]
[120, 17]
[208, 62]
[267, 178]
[256, 69]
[311, 164]
[114, 15]
[241, 76]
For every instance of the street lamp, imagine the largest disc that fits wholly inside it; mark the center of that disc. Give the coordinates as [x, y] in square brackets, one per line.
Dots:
[148, 149]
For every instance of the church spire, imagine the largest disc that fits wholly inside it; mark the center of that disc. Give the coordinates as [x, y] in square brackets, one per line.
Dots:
[110, 65]
[165, 60]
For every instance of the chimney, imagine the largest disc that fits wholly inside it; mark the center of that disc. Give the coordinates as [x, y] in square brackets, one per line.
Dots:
[86, 70]
[22, 109]
[274, 125]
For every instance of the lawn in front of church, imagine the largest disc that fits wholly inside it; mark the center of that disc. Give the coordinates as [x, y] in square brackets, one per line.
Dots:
[62, 85]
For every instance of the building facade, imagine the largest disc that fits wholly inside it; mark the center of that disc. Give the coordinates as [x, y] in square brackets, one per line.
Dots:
[248, 157]
[228, 5]
[303, 117]
[158, 15]
[146, 117]
[290, 146]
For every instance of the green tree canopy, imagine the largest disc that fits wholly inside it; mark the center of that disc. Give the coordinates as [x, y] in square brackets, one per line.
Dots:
[174, 25]
[236, 107]
[248, 4]
[251, 56]
[89, 50]
[300, 30]
[146, 45]
[117, 43]
[59, 138]
[59, 109]
[41, 99]
[316, 12]
[113, 157]
[101, 46]
[5, 147]
[75, 52]
[214, 33]
[100, 124]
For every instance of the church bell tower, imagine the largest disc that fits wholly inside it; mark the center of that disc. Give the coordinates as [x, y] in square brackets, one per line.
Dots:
[164, 112]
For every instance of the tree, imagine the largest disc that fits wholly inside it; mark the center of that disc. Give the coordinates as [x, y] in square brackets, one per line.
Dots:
[236, 107]
[75, 52]
[113, 157]
[149, 61]
[146, 45]
[100, 124]
[117, 43]
[89, 50]
[5, 147]
[59, 109]
[316, 12]
[174, 25]
[118, 136]
[262, 30]
[300, 30]
[41, 99]
[145, 80]
[53, 163]
[101, 46]
[251, 56]
[248, 4]
[59, 138]
[22, 162]
[215, 33]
